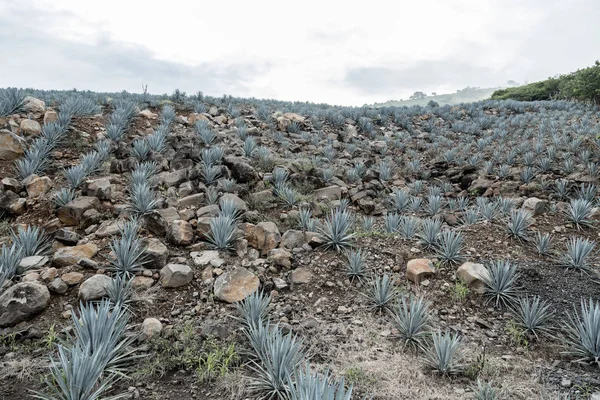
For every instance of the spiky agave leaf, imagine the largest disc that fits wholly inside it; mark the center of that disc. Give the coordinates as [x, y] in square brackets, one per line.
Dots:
[501, 283]
[76, 175]
[142, 200]
[542, 242]
[10, 258]
[254, 309]
[579, 212]
[583, 333]
[534, 315]
[578, 253]
[408, 226]
[63, 197]
[450, 246]
[485, 391]
[380, 292]
[445, 354]
[128, 254]
[518, 223]
[306, 385]
[288, 195]
[223, 232]
[32, 240]
[356, 268]
[411, 317]
[430, 230]
[11, 101]
[336, 231]
[120, 290]
[230, 209]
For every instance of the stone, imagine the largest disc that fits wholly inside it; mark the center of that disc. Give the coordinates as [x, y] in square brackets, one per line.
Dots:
[11, 184]
[292, 239]
[72, 278]
[94, 288]
[11, 146]
[279, 283]
[33, 105]
[107, 228]
[176, 275]
[100, 188]
[57, 285]
[235, 285]
[31, 277]
[330, 193]
[71, 214]
[142, 282]
[151, 327]
[419, 269]
[67, 236]
[208, 211]
[280, 258]
[171, 179]
[148, 114]
[65, 256]
[301, 276]
[239, 203]
[156, 253]
[21, 302]
[193, 200]
[50, 116]
[480, 185]
[32, 262]
[195, 117]
[158, 221]
[264, 236]
[241, 170]
[535, 206]
[180, 232]
[474, 276]
[207, 257]
[49, 274]
[11, 202]
[30, 127]
[203, 227]
[37, 185]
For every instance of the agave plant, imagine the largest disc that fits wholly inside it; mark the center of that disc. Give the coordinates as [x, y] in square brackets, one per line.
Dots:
[223, 232]
[501, 283]
[408, 227]
[128, 254]
[336, 231]
[367, 223]
[210, 173]
[142, 200]
[518, 223]
[430, 230]
[485, 391]
[288, 195]
[356, 268]
[76, 175]
[542, 243]
[230, 209]
[380, 292]
[10, 258]
[253, 309]
[11, 101]
[445, 354]
[120, 291]
[534, 315]
[583, 333]
[306, 385]
[578, 254]
[391, 222]
[579, 212]
[32, 240]
[450, 246]
[412, 317]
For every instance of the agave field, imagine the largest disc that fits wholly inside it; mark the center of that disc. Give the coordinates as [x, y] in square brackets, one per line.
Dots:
[192, 247]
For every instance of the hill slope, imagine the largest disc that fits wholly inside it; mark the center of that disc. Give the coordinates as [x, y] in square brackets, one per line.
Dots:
[466, 95]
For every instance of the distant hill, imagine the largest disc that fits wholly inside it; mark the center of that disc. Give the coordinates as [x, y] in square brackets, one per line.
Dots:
[466, 95]
[581, 85]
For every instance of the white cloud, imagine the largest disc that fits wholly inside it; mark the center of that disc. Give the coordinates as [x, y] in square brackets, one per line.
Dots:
[324, 51]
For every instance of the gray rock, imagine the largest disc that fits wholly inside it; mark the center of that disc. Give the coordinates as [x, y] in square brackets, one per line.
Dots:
[193, 200]
[11, 146]
[330, 193]
[34, 105]
[241, 171]
[292, 239]
[208, 211]
[235, 285]
[71, 214]
[32, 262]
[180, 232]
[474, 276]
[109, 227]
[239, 203]
[176, 275]
[59, 286]
[535, 206]
[208, 257]
[65, 256]
[94, 288]
[280, 258]
[37, 185]
[156, 253]
[21, 302]
[151, 327]
[11, 184]
[301, 276]
[100, 188]
[30, 127]
[67, 236]
[158, 221]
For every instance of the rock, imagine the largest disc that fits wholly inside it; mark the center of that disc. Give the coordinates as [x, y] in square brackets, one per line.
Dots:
[292, 239]
[57, 285]
[284, 121]
[50, 116]
[239, 203]
[279, 283]
[195, 117]
[264, 236]
[203, 227]
[71, 214]
[480, 185]
[148, 114]
[37, 186]
[330, 193]
[21, 302]
[208, 257]
[193, 200]
[94, 288]
[11, 146]
[31, 277]
[151, 327]
[30, 127]
[235, 285]
[65, 256]
[32, 262]
[142, 282]
[11, 202]
[171, 179]
[99, 188]
[175, 275]
[241, 171]
[208, 211]
[67, 236]
[11, 184]
[33, 105]
[158, 221]
[156, 253]
[180, 232]
[72, 278]
[49, 274]
[419, 269]
[280, 258]
[535, 206]
[107, 228]
[474, 276]
[301, 276]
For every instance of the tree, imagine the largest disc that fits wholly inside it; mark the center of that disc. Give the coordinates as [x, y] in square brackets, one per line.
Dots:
[512, 83]
[418, 96]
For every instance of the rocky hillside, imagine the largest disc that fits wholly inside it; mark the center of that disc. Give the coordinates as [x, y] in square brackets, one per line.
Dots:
[190, 247]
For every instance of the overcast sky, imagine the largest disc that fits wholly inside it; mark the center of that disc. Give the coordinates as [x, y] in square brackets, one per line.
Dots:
[339, 52]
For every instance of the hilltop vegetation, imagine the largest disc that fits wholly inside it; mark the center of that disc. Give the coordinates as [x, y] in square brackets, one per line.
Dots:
[581, 85]
[466, 95]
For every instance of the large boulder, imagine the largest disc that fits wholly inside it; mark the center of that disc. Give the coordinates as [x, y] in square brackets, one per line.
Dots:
[176, 275]
[419, 269]
[235, 285]
[71, 214]
[11, 146]
[33, 105]
[30, 127]
[474, 276]
[95, 287]
[65, 256]
[21, 302]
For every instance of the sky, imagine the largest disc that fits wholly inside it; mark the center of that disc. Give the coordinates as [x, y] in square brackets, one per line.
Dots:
[336, 52]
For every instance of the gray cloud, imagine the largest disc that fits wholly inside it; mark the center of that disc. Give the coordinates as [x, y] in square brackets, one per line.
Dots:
[33, 58]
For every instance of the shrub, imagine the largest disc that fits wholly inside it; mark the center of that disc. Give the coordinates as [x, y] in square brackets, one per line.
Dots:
[32, 241]
[518, 223]
[430, 230]
[142, 200]
[305, 385]
[485, 391]
[11, 101]
[63, 197]
[253, 309]
[579, 212]
[128, 254]
[578, 253]
[542, 242]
